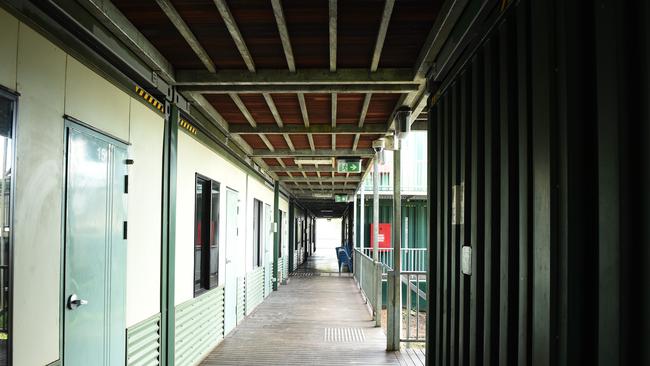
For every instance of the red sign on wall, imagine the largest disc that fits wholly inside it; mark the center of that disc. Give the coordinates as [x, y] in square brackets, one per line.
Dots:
[384, 236]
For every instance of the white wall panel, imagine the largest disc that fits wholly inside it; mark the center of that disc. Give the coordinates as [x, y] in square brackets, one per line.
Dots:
[8, 49]
[39, 170]
[93, 100]
[144, 203]
[194, 157]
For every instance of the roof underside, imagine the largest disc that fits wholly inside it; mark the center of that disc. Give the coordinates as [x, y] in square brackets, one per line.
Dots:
[296, 78]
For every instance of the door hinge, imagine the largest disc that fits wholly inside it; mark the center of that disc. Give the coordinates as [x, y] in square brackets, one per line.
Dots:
[126, 184]
[125, 230]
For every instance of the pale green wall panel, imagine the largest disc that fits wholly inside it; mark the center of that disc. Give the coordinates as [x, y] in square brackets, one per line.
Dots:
[199, 327]
[254, 289]
[8, 49]
[145, 175]
[241, 298]
[143, 343]
[93, 100]
[39, 170]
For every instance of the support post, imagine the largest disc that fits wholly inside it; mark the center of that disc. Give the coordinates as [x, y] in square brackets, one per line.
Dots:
[375, 208]
[395, 293]
[378, 298]
[292, 235]
[276, 234]
[362, 228]
[168, 237]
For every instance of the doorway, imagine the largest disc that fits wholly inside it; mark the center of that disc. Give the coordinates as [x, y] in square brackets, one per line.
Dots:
[95, 249]
[232, 245]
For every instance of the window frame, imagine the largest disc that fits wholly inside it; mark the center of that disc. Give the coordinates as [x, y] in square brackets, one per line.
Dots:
[210, 234]
[258, 221]
[13, 100]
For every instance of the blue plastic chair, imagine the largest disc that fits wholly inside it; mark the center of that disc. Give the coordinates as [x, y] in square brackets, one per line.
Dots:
[344, 258]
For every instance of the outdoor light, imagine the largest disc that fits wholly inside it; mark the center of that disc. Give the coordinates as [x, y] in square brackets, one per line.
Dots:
[314, 161]
[323, 195]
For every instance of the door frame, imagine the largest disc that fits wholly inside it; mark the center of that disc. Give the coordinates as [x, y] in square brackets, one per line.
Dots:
[73, 123]
[226, 275]
[13, 97]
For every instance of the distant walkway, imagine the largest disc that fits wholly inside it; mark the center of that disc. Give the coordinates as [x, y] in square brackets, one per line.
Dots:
[319, 318]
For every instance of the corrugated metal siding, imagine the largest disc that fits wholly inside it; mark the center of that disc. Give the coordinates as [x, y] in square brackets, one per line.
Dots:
[199, 327]
[143, 343]
[414, 210]
[544, 133]
[254, 289]
[241, 299]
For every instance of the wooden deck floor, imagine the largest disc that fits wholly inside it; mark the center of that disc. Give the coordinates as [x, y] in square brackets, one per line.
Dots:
[319, 318]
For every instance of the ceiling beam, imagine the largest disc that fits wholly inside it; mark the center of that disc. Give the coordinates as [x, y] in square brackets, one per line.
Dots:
[284, 33]
[369, 129]
[187, 34]
[381, 35]
[233, 29]
[113, 19]
[242, 107]
[303, 109]
[268, 143]
[333, 141]
[310, 137]
[449, 14]
[318, 153]
[304, 76]
[273, 109]
[388, 88]
[287, 139]
[307, 168]
[356, 179]
[364, 109]
[332, 33]
[356, 142]
[334, 105]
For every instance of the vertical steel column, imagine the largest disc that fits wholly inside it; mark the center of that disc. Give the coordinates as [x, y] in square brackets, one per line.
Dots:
[375, 207]
[395, 286]
[168, 237]
[276, 234]
[292, 235]
[353, 222]
[362, 227]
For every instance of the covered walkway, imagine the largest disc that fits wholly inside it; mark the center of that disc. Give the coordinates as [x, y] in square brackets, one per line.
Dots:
[319, 318]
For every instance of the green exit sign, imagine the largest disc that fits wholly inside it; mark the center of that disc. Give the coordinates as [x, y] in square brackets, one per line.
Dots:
[341, 198]
[348, 166]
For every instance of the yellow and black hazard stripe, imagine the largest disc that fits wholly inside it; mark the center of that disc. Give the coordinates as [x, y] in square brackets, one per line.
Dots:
[150, 99]
[188, 126]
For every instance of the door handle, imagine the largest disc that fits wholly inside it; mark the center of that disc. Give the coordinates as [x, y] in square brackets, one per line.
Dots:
[74, 302]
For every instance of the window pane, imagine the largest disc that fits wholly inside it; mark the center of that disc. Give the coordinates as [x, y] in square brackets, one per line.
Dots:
[198, 233]
[214, 237]
[6, 162]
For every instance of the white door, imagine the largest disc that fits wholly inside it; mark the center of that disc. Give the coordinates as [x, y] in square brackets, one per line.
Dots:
[232, 244]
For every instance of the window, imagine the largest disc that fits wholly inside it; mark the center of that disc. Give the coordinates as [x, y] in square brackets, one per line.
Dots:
[257, 233]
[7, 113]
[206, 235]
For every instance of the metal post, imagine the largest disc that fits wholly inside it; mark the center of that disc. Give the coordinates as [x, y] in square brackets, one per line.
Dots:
[375, 208]
[378, 297]
[276, 235]
[395, 301]
[354, 221]
[362, 227]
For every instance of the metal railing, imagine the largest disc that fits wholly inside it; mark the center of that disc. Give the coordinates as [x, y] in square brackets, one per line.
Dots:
[413, 259]
[414, 314]
[368, 275]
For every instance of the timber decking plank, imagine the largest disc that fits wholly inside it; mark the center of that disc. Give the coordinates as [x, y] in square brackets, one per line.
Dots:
[288, 328]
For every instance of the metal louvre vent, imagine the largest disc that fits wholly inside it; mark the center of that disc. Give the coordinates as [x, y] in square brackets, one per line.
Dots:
[344, 335]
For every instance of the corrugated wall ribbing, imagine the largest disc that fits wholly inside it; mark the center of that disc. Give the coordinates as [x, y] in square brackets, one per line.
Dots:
[199, 326]
[254, 289]
[543, 132]
[143, 343]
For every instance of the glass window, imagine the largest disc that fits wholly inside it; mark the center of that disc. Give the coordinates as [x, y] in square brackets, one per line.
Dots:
[6, 163]
[257, 233]
[206, 235]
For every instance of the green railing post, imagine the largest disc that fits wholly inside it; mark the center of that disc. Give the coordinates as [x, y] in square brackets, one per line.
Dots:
[378, 291]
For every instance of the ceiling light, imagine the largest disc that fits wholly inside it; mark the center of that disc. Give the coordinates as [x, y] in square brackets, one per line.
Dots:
[313, 161]
[323, 195]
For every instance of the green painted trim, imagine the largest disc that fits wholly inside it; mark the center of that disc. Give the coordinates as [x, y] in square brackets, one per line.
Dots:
[168, 242]
[276, 234]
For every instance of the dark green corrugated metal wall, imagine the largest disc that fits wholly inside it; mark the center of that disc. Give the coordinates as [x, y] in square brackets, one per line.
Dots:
[414, 210]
